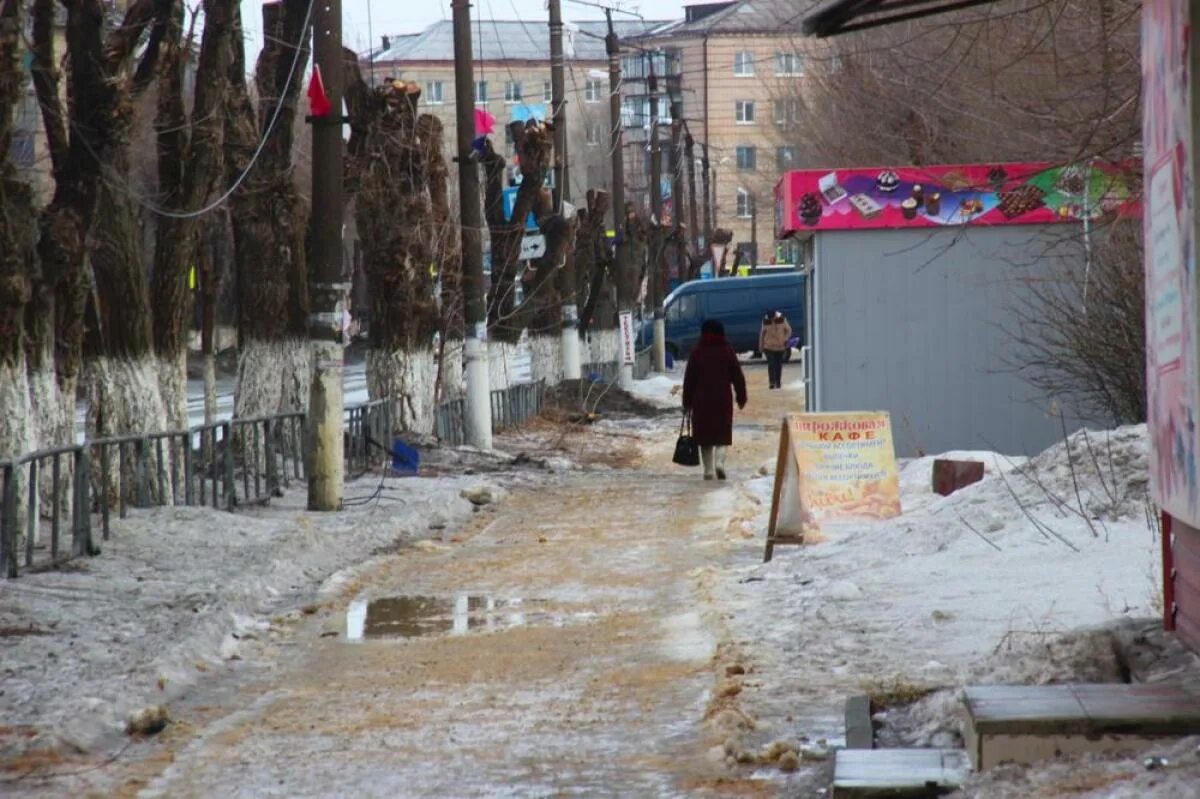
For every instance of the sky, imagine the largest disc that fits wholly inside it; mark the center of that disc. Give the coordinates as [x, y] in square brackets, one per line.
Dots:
[365, 21]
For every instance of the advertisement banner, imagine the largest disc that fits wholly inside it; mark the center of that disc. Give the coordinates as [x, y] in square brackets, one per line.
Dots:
[832, 466]
[937, 196]
[1172, 377]
[628, 346]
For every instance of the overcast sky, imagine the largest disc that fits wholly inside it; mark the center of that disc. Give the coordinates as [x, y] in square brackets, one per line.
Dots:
[364, 21]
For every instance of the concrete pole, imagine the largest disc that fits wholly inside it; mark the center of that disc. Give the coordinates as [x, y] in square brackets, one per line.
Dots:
[622, 267]
[659, 348]
[562, 193]
[475, 350]
[326, 470]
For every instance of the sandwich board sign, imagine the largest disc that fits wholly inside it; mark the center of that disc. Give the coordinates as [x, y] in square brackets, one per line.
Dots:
[832, 466]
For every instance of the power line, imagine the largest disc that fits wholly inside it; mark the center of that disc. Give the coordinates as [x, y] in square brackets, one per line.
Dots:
[262, 143]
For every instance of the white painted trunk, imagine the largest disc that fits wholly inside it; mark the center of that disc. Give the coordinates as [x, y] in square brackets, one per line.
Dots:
[273, 377]
[210, 388]
[16, 430]
[452, 374]
[501, 358]
[53, 416]
[53, 412]
[16, 411]
[125, 398]
[546, 352]
[172, 381]
[407, 377]
[604, 346]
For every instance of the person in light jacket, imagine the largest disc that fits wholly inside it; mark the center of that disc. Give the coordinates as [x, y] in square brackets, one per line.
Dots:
[712, 381]
[773, 342]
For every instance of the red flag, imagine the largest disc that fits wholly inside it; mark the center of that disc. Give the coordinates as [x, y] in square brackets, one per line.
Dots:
[485, 123]
[318, 103]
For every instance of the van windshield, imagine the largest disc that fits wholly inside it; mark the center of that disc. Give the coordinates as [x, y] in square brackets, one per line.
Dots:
[683, 309]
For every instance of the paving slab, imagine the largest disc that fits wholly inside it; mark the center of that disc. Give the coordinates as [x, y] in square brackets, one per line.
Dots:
[872, 773]
[1023, 723]
[860, 733]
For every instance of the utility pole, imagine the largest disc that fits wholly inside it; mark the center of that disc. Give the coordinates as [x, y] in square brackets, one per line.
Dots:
[620, 221]
[659, 350]
[705, 171]
[326, 477]
[479, 398]
[689, 151]
[753, 231]
[677, 176]
[562, 193]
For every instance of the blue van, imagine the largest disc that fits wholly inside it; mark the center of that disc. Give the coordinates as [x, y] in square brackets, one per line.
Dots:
[739, 302]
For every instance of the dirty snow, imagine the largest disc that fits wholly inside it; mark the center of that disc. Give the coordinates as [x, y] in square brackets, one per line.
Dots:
[984, 585]
[663, 390]
[174, 595]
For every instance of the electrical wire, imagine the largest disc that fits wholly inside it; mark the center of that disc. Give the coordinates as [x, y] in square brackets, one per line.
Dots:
[262, 143]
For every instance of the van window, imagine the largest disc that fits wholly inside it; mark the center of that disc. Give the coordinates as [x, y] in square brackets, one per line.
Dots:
[684, 308]
[723, 302]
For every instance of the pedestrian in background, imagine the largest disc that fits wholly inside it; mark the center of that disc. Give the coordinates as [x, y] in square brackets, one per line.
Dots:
[712, 381]
[773, 342]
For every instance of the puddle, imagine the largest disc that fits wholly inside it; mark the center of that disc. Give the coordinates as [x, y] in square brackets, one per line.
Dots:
[420, 616]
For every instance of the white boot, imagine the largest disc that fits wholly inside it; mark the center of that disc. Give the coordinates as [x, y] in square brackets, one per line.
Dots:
[720, 462]
[706, 455]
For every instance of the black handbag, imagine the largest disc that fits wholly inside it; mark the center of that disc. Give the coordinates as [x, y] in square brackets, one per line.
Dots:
[687, 452]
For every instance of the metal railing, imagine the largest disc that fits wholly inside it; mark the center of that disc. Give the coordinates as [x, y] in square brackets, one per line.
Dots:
[222, 465]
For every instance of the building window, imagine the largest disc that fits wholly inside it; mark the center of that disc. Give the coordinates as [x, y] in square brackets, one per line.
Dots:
[433, 92]
[547, 91]
[481, 95]
[745, 204]
[787, 112]
[744, 110]
[747, 158]
[785, 158]
[593, 133]
[743, 64]
[593, 92]
[788, 64]
[512, 91]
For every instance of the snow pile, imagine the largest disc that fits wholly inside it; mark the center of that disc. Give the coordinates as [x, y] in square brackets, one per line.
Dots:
[175, 594]
[917, 602]
[664, 391]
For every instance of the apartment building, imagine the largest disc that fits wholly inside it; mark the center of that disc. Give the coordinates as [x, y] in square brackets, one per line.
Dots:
[740, 69]
[512, 81]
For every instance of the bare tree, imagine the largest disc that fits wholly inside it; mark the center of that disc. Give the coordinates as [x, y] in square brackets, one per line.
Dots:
[1081, 332]
[18, 240]
[391, 156]
[269, 216]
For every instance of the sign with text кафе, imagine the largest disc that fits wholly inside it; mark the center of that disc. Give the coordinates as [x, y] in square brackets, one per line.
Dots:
[832, 466]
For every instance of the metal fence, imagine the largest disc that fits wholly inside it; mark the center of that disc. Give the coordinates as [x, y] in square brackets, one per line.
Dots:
[48, 493]
[511, 407]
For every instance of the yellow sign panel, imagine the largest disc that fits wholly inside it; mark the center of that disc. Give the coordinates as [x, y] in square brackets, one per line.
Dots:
[832, 466]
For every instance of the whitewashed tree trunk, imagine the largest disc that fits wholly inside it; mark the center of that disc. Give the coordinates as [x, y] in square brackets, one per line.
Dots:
[52, 412]
[125, 398]
[172, 378]
[273, 377]
[407, 377]
[547, 359]
[16, 430]
[501, 357]
[452, 370]
[210, 388]
[604, 346]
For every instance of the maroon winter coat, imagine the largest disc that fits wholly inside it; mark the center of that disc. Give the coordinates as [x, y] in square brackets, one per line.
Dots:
[712, 377]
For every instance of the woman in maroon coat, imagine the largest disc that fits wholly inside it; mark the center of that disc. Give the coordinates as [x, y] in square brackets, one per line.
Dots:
[712, 378]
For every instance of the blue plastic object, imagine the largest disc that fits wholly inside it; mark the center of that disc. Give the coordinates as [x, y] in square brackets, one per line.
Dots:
[405, 459]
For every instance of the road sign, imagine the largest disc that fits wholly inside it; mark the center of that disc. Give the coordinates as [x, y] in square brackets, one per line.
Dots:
[533, 247]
